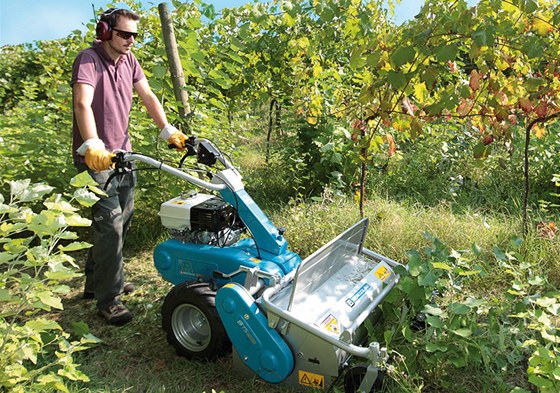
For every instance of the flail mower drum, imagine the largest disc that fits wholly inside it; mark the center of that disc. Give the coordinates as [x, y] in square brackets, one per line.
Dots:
[289, 321]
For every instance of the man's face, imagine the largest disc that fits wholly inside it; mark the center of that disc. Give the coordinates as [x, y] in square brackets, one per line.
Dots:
[122, 39]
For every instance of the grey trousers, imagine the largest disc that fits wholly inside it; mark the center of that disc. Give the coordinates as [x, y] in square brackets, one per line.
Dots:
[111, 217]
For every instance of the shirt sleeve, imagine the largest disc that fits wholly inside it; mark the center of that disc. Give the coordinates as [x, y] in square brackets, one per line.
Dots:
[84, 69]
[137, 72]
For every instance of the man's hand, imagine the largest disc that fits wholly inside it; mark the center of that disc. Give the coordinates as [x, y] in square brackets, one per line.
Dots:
[98, 159]
[178, 139]
[173, 136]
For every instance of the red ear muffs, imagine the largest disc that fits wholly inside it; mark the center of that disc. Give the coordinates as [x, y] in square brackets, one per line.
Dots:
[103, 31]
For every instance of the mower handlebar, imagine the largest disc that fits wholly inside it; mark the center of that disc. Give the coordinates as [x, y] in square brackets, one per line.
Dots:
[127, 156]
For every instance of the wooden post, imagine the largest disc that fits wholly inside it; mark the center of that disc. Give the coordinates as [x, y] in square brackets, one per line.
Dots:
[177, 76]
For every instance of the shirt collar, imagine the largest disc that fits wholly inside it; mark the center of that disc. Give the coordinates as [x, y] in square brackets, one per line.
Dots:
[97, 47]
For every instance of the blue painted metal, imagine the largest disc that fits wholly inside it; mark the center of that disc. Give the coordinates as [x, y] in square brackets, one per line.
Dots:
[261, 348]
[263, 230]
[178, 262]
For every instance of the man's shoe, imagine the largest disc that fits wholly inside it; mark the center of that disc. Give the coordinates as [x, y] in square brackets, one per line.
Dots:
[117, 314]
[127, 288]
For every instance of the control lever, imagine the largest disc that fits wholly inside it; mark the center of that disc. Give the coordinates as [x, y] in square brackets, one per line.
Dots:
[122, 167]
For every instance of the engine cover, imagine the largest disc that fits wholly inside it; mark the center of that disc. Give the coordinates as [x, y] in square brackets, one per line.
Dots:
[212, 215]
[176, 213]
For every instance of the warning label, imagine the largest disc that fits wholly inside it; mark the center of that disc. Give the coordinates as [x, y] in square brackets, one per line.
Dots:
[330, 323]
[382, 273]
[311, 380]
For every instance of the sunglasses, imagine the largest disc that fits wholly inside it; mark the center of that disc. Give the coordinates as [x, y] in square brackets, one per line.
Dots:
[125, 35]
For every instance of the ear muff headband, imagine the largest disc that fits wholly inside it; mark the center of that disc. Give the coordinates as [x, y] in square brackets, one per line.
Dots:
[103, 29]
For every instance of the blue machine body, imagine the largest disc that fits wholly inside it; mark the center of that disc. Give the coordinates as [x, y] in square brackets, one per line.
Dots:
[178, 262]
[260, 347]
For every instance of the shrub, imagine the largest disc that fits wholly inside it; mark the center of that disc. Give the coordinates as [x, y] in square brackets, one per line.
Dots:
[35, 352]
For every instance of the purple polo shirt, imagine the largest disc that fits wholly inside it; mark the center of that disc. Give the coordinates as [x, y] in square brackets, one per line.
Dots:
[112, 98]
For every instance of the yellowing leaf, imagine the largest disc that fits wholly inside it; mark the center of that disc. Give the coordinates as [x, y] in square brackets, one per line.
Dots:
[420, 92]
[540, 131]
[392, 145]
[542, 27]
[317, 70]
[312, 120]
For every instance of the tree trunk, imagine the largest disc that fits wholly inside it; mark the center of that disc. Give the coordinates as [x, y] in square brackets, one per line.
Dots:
[277, 121]
[363, 175]
[270, 127]
[177, 76]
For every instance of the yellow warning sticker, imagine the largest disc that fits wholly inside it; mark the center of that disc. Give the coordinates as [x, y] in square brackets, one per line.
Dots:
[312, 380]
[256, 260]
[178, 202]
[330, 323]
[382, 273]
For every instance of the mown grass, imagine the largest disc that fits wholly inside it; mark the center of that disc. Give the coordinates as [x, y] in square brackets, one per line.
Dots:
[137, 358]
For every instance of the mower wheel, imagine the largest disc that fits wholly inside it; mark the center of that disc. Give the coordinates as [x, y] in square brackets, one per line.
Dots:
[354, 377]
[192, 323]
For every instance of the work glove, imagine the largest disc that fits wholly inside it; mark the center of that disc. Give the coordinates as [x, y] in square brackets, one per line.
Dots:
[97, 157]
[173, 136]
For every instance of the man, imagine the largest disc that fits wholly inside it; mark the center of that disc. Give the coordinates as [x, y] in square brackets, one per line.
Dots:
[103, 78]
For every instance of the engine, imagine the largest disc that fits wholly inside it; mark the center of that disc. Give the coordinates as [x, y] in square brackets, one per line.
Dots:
[202, 219]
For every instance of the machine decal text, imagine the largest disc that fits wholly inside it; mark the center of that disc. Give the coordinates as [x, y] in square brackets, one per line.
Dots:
[351, 301]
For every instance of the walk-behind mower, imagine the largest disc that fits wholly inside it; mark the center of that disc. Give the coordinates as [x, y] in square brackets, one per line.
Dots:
[237, 284]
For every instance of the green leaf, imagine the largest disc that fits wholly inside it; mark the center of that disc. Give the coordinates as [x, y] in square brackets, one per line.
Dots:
[403, 55]
[441, 265]
[82, 179]
[75, 246]
[80, 329]
[540, 382]
[433, 347]
[462, 332]
[159, 72]
[35, 192]
[458, 308]
[414, 263]
[432, 310]
[428, 280]
[396, 79]
[472, 302]
[446, 52]
[435, 321]
[85, 198]
[75, 220]
[217, 103]
[97, 190]
[483, 37]
[48, 299]
[357, 58]
[17, 187]
[5, 295]
[530, 6]
[60, 205]
[42, 325]
[482, 151]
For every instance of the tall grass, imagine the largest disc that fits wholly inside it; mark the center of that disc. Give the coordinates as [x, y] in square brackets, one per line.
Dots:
[137, 358]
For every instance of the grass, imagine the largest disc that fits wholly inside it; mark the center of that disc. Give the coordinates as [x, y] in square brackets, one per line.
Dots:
[137, 358]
